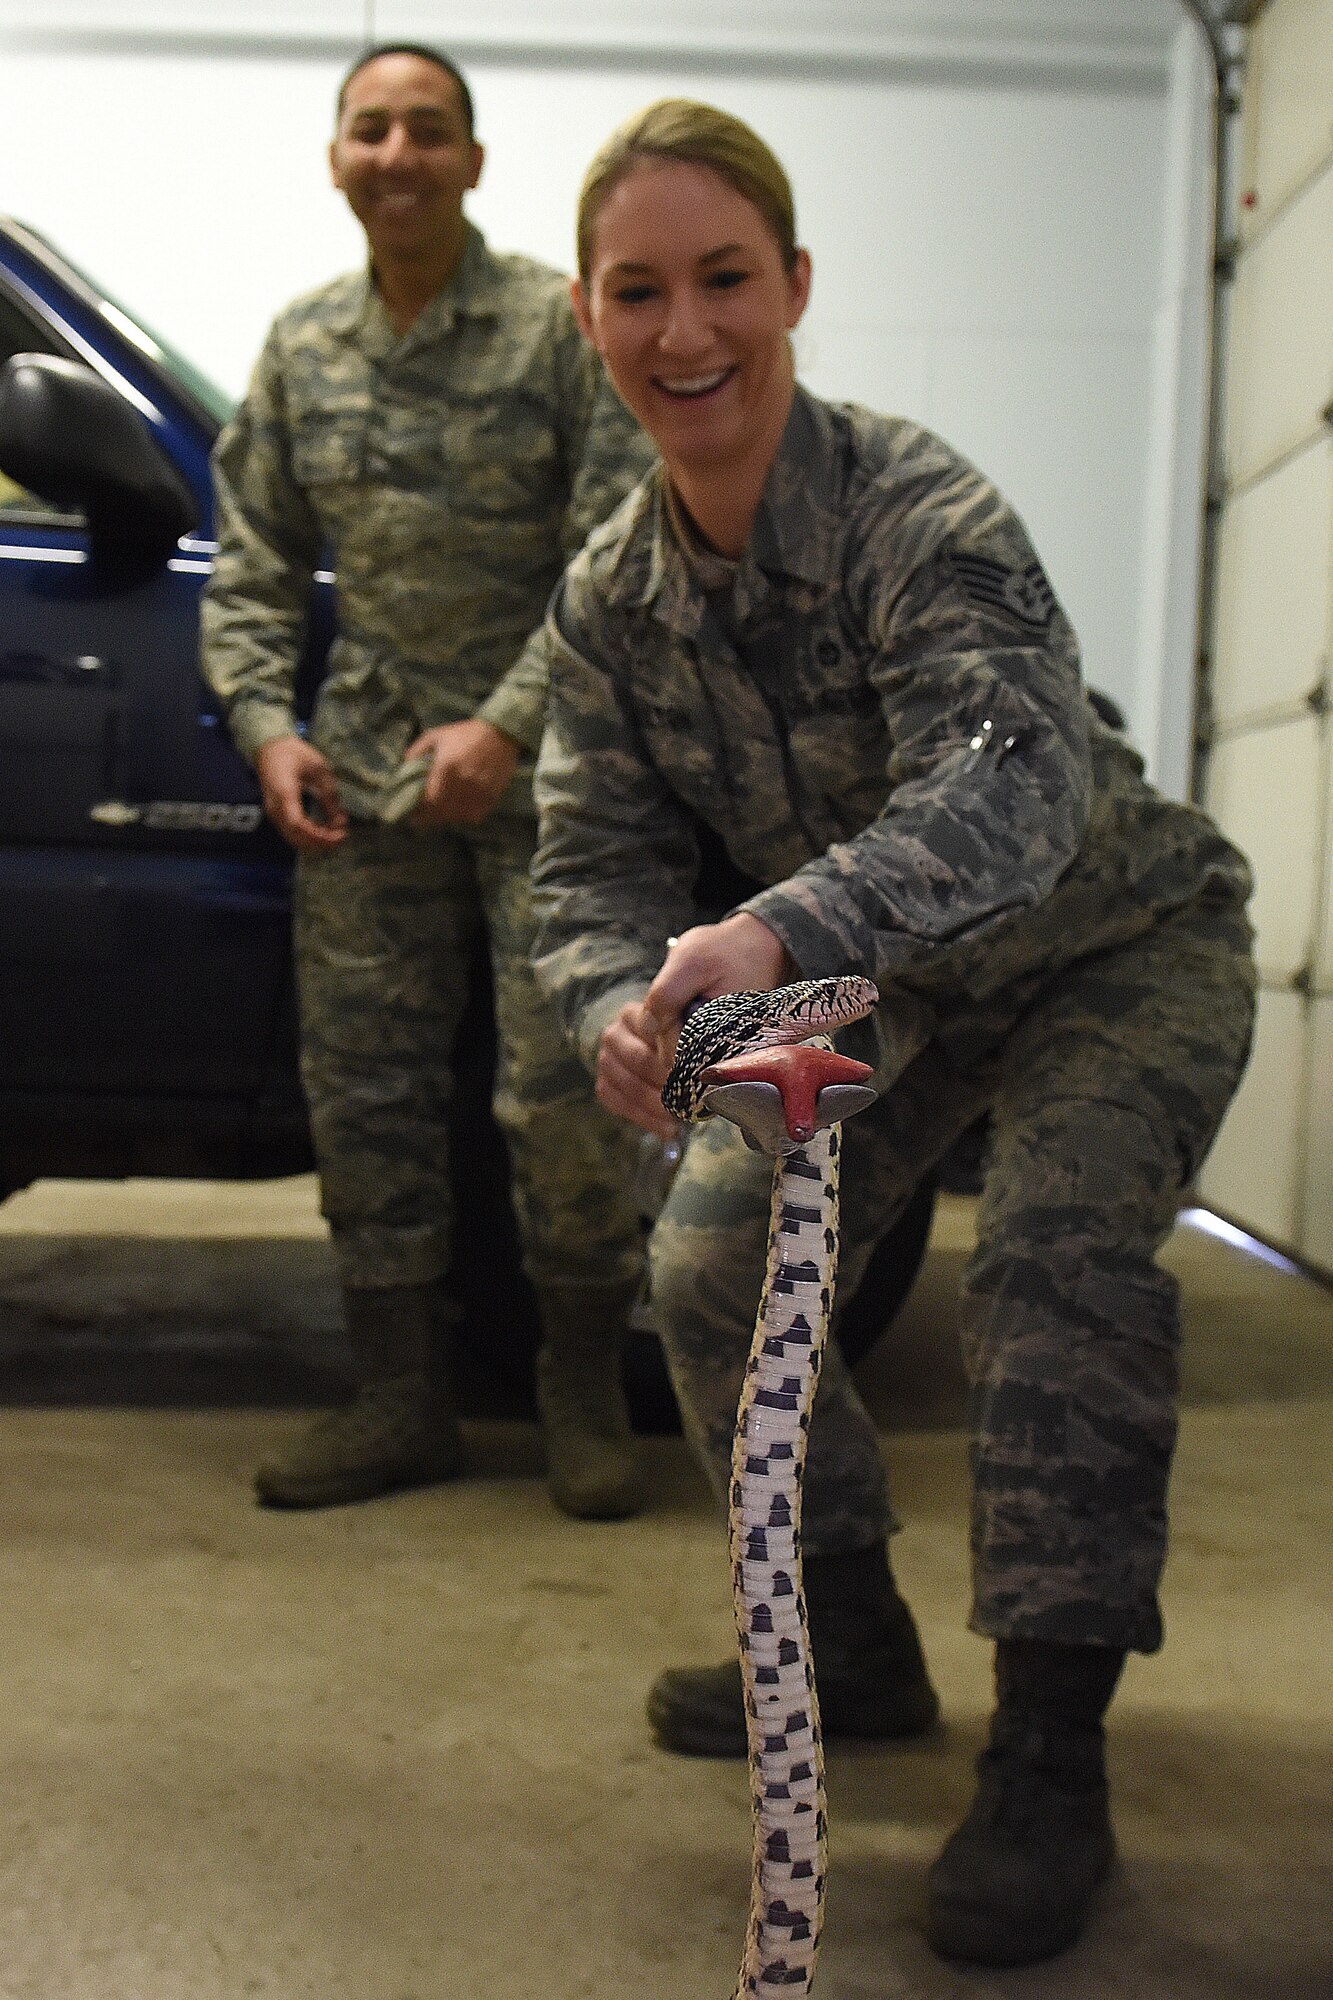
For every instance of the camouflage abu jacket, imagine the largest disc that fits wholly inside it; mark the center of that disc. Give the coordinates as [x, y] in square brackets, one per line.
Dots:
[879, 710]
[449, 472]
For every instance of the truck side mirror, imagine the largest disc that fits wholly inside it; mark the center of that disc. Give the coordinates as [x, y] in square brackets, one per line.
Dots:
[70, 437]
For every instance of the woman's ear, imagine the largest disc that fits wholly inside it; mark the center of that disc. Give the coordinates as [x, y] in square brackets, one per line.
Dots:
[579, 298]
[798, 287]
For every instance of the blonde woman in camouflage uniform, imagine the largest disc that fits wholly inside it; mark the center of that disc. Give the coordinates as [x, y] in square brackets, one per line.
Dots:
[439, 425]
[825, 635]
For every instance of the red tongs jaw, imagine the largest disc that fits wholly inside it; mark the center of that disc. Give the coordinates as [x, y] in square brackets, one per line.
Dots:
[798, 1071]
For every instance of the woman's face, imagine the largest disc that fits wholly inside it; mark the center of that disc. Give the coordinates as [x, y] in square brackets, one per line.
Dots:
[689, 305]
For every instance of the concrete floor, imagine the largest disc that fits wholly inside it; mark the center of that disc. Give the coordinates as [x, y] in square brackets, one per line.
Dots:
[396, 1752]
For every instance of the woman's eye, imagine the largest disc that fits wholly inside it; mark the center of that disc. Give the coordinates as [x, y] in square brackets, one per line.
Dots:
[633, 295]
[723, 281]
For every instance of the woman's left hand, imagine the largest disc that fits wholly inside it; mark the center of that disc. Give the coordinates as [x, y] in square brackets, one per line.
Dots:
[633, 1059]
[739, 955]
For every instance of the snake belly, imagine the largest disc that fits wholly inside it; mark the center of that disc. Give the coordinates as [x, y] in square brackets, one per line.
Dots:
[768, 1458]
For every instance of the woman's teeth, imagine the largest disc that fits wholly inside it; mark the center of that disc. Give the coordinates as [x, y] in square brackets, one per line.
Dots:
[696, 385]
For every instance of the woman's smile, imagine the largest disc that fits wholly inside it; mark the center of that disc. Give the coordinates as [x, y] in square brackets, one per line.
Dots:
[696, 388]
[689, 303]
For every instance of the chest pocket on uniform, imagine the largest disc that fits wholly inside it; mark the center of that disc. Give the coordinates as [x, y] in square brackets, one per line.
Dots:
[839, 739]
[853, 699]
[830, 679]
[502, 457]
[686, 746]
[329, 454]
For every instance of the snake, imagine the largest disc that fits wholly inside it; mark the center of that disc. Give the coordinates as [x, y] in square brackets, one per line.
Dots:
[765, 1061]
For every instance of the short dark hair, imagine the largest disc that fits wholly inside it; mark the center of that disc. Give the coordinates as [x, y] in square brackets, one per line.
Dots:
[419, 49]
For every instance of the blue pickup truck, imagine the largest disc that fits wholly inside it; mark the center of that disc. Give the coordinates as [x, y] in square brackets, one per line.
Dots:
[145, 984]
[147, 1020]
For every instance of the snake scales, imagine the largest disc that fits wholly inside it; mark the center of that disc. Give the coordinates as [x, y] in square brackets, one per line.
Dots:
[750, 1057]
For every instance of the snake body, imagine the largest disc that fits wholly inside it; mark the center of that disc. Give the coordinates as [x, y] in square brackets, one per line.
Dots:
[768, 1455]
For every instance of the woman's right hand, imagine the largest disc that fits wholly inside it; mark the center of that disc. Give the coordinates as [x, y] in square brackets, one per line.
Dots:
[738, 954]
[289, 768]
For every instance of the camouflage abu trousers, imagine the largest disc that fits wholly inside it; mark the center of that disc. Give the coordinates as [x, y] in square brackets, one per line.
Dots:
[385, 926]
[1104, 1091]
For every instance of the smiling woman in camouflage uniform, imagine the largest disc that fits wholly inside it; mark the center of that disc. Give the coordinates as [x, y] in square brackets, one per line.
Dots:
[826, 635]
[437, 423]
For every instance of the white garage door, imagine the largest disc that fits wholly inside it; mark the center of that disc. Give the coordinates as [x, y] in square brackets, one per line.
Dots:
[1269, 775]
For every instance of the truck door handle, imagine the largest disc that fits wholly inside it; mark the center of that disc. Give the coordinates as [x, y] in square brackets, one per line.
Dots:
[42, 670]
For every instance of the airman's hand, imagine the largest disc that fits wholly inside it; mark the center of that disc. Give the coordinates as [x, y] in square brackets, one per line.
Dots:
[291, 771]
[471, 765]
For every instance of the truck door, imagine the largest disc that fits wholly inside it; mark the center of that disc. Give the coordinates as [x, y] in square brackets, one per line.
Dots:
[143, 928]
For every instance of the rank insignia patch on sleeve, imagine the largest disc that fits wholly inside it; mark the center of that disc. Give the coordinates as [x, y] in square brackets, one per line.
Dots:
[1023, 593]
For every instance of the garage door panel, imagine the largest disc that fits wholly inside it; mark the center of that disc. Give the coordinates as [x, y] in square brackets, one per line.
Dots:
[1281, 366]
[1290, 87]
[1253, 1171]
[1323, 951]
[1272, 600]
[1265, 790]
[1316, 1237]
[1269, 769]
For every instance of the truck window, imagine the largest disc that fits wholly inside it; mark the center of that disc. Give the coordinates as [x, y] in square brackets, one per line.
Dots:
[210, 402]
[21, 334]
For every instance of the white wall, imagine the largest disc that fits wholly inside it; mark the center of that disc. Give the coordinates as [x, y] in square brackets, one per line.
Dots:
[1002, 198]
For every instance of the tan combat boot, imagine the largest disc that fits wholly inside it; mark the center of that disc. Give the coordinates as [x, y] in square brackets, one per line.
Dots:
[592, 1462]
[400, 1427]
